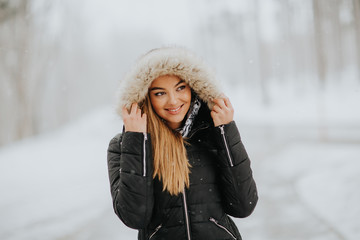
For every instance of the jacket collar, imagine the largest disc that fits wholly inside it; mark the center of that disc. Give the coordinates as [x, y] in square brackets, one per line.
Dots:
[202, 120]
[190, 117]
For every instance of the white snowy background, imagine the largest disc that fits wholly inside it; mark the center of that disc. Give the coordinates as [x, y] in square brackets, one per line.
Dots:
[60, 63]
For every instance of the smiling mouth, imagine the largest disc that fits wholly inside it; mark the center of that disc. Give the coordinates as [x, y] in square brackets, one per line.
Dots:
[175, 109]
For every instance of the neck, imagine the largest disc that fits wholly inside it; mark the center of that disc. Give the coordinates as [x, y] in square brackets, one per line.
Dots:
[173, 126]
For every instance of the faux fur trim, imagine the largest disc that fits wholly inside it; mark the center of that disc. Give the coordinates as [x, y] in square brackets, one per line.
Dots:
[168, 61]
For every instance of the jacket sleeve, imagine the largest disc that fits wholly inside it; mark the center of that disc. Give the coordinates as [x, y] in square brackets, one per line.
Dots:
[130, 173]
[239, 193]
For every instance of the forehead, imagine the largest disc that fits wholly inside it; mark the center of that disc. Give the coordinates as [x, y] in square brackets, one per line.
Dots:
[165, 81]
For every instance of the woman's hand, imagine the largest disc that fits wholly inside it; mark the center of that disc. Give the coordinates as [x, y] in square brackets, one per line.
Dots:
[134, 121]
[222, 112]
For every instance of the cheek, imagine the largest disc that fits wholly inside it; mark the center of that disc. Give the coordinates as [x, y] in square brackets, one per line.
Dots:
[188, 95]
[156, 104]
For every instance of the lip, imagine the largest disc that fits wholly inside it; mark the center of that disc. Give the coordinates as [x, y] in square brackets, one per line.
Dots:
[174, 111]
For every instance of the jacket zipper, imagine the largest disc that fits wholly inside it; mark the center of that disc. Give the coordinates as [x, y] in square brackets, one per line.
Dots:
[186, 216]
[226, 145]
[155, 231]
[144, 157]
[222, 227]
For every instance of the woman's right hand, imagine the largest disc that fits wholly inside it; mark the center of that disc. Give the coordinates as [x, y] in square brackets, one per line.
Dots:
[134, 121]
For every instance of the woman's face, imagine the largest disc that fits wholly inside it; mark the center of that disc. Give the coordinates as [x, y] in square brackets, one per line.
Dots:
[171, 98]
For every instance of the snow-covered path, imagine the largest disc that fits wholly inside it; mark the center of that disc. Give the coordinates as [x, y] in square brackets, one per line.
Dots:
[293, 196]
[55, 186]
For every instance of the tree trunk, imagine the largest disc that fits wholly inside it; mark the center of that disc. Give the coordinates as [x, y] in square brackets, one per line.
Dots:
[356, 12]
[337, 37]
[261, 57]
[319, 43]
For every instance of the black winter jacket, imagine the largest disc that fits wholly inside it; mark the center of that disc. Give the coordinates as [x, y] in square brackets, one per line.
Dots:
[221, 184]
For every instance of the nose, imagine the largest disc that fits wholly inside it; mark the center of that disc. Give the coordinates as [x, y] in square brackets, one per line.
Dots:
[172, 100]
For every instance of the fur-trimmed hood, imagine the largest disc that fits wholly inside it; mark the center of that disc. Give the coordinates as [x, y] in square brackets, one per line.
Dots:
[168, 61]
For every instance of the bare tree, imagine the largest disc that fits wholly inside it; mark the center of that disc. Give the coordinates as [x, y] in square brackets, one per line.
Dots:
[337, 35]
[14, 59]
[7, 10]
[261, 57]
[24, 59]
[356, 13]
[319, 42]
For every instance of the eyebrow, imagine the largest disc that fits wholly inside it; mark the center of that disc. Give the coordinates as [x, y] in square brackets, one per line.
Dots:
[181, 81]
[159, 88]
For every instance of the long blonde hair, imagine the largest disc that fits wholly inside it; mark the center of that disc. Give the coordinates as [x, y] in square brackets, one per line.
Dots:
[170, 161]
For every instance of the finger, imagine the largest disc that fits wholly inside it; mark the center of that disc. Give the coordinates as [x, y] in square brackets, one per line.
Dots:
[213, 115]
[222, 95]
[138, 111]
[124, 111]
[216, 108]
[215, 100]
[133, 108]
[220, 102]
[227, 102]
[215, 118]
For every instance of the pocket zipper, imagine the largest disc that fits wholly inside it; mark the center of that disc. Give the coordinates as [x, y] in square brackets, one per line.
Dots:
[222, 227]
[144, 152]
[155, 231]
[226, 145]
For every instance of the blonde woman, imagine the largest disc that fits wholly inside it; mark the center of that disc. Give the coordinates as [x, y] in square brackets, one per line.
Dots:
[179, 169]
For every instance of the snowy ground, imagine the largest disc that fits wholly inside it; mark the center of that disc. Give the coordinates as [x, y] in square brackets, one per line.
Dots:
[55, 186]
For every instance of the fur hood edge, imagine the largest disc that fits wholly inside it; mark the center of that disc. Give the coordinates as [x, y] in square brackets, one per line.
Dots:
[167, 61]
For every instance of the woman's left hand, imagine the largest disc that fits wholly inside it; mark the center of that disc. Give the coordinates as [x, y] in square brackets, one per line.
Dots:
[222, 112]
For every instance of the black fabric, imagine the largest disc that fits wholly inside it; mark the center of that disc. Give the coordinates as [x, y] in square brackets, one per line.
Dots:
[217, 188]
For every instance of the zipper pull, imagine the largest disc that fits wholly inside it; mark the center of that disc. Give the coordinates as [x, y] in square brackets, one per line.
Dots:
[155, 231]
[213, 219]
[222, 129]
[158, 227]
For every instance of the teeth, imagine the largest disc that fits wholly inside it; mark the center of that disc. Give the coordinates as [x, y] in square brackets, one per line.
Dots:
[174, 110]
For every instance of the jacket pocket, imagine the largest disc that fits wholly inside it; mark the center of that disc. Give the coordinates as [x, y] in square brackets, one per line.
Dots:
[219, 225]
[155, 231]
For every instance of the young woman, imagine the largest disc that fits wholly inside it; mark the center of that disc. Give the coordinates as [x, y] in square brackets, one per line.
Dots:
[179, 169]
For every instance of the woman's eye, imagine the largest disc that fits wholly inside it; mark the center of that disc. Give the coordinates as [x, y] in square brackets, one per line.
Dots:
[181, 88]
[159, 93]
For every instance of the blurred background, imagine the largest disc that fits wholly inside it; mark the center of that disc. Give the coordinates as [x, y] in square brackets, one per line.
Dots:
[291, 69]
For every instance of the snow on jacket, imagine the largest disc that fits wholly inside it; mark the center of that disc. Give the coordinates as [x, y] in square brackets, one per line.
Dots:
[221, 181]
